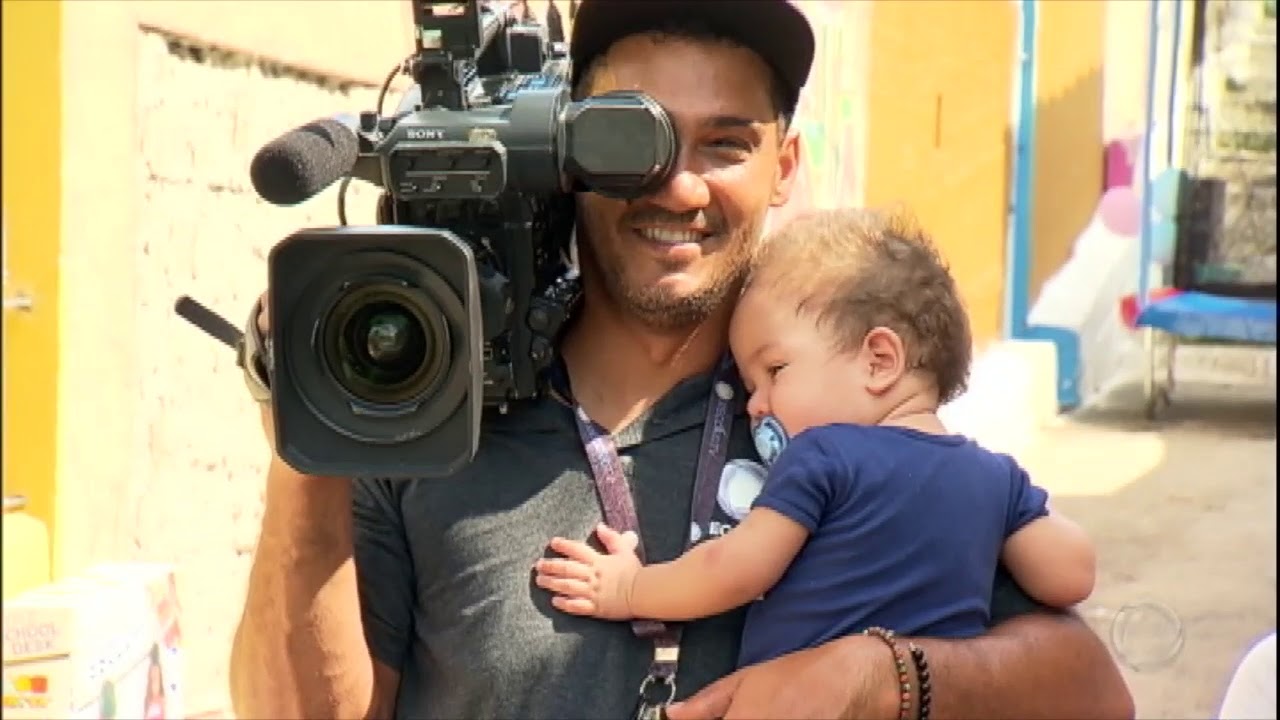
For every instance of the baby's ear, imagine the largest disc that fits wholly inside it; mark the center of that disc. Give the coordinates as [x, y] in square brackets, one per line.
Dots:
[886, 359]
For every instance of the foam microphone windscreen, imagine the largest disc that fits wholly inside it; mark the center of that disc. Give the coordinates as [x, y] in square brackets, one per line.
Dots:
[301, 163]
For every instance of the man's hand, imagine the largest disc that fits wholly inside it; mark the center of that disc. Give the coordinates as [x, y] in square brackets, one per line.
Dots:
[853, 678]
[264, 327]
[264, 320]
[589, 582]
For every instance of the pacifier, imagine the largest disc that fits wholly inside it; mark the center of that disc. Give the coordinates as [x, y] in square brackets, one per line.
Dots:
[770, 439]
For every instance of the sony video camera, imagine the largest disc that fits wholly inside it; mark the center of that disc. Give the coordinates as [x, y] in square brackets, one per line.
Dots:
[388, 341]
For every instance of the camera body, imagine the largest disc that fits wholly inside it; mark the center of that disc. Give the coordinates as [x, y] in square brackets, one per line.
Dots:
[390, 341]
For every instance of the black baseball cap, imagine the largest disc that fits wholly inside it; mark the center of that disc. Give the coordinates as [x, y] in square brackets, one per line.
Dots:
[776, 30]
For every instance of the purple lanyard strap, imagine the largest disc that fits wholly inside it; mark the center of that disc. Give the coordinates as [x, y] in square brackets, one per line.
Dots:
[620, 511]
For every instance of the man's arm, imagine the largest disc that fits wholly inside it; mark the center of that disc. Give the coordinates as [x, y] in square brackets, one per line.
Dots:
[1034, 663]
[1039, 664]
[1043, 664]
[300, 648]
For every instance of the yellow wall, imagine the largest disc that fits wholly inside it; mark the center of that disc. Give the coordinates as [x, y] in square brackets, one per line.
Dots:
[1069, 117]
[32, 161]
[940, 91]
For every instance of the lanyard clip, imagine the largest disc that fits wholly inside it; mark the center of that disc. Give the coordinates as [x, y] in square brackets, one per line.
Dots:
[656, 693]
[651, 712]
[658, 690]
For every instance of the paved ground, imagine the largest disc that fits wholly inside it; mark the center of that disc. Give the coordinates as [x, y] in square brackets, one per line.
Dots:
[1185, 518]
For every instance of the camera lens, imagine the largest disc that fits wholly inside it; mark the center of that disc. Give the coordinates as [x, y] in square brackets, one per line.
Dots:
[386, 343]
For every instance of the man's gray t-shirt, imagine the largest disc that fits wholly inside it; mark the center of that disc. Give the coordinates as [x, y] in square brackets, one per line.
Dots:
[445, 566]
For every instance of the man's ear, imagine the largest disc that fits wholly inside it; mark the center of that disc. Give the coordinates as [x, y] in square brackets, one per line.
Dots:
[788, 168]
[882, 348]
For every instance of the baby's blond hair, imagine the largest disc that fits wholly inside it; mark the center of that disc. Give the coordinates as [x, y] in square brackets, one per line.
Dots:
[854, 270]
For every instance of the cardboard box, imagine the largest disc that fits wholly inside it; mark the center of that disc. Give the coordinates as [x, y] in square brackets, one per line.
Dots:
[162, 610]
[102, 645]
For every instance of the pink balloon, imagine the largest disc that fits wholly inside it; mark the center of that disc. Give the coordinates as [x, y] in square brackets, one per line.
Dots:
[1117, 164]
[1120, 211]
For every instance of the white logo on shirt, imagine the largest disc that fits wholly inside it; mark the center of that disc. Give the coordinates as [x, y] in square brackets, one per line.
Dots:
[740, 483]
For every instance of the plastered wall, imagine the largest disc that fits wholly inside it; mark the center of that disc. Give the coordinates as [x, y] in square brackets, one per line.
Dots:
[159, 454]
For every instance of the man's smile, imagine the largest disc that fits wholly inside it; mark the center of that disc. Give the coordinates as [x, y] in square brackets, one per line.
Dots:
[672, 236]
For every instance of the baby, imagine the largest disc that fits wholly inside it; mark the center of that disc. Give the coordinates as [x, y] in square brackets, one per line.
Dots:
[849, 335]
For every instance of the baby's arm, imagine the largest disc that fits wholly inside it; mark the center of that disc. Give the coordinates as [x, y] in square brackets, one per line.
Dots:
[1051, 557]
[713, 577]
[722, 573]
[1053, 560]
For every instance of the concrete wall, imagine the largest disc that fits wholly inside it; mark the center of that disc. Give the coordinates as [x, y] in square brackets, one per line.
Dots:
[132, 126]
[199, 455]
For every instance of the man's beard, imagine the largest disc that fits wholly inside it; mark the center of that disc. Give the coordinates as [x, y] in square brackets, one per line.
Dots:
[661, 309]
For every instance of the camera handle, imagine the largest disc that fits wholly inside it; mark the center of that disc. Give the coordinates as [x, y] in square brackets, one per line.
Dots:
[253, 353]
[209, 322]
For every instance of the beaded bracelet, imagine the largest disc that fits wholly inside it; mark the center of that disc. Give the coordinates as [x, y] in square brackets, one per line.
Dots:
[900, 664]
[925, 698]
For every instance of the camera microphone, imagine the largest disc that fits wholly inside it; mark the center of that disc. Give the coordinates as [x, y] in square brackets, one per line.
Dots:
[301, 163]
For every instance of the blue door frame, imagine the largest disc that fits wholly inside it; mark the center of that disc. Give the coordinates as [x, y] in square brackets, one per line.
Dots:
[1019, 247]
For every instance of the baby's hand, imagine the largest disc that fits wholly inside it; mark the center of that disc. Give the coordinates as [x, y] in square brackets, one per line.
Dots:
[587, 582]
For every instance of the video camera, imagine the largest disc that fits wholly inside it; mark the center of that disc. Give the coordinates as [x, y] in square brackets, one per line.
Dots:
[389, 341]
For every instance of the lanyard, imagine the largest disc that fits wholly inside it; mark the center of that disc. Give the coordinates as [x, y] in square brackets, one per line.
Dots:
[620, 513]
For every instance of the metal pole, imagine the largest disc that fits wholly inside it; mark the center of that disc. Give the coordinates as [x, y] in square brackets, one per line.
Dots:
[1019, 245]
[1144, 203]
[1176, 55]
